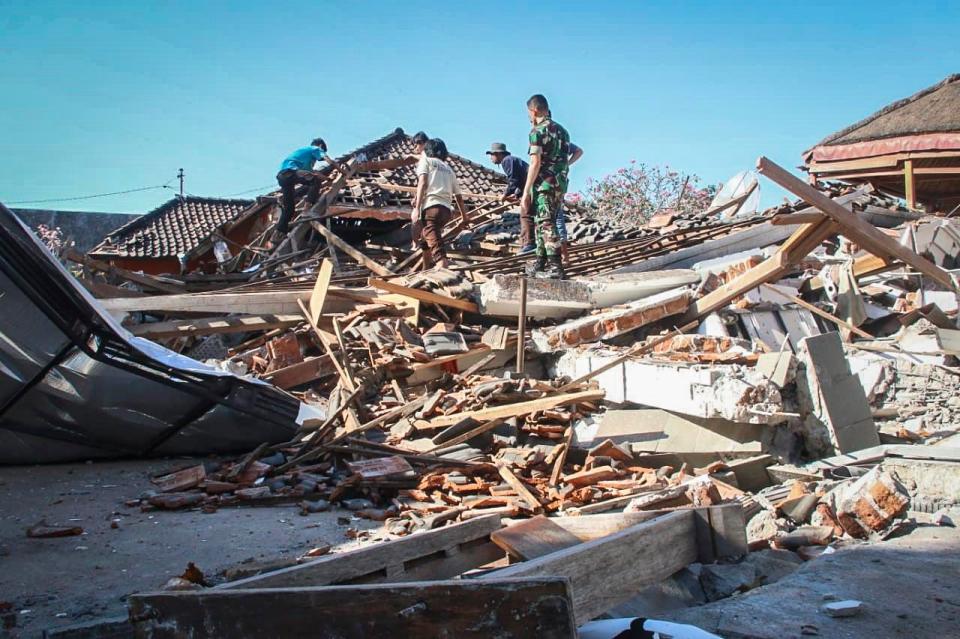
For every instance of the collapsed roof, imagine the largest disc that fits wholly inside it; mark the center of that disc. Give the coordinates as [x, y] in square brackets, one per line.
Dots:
[75, 385]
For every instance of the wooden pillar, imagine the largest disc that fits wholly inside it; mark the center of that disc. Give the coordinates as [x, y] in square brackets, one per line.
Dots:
[908, 183]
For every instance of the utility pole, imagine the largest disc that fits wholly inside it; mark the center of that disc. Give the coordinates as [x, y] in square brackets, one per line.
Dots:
[180, 176]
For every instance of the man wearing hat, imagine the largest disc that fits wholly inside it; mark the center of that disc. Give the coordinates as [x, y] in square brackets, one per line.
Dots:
[516, 171]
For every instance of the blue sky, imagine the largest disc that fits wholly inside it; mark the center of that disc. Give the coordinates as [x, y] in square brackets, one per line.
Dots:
[105, 96]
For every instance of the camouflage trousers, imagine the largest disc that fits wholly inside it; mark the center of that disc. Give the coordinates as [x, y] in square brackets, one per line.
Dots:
[545, 207]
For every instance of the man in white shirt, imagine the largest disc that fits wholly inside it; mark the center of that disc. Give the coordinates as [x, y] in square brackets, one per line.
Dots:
[437, 190]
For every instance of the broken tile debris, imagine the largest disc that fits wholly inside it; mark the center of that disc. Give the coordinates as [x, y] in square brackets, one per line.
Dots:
[659, 401]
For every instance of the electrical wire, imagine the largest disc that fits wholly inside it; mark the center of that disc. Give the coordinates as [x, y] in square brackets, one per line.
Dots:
[90, 197]
[272, 185]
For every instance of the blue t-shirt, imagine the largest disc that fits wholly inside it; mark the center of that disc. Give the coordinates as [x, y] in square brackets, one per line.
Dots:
[303, 158]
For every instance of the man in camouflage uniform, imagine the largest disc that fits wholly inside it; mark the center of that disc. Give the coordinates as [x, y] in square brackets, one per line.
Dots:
[546, 185]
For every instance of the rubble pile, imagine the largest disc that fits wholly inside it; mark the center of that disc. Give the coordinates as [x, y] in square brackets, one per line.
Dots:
[422, 415]
[697, 389]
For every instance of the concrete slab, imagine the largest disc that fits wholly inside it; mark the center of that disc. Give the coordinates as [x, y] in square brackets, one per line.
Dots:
[838, 401]
[909, 588]
[552, 299]
[731, 392]
[659, 431]
[546, 299]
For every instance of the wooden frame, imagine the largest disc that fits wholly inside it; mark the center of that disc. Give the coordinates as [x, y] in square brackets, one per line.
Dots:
[506, 608]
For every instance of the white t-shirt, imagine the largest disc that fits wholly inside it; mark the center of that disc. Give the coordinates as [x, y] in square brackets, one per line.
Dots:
[442, 184]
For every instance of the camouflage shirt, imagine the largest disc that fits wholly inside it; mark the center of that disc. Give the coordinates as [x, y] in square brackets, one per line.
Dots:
[551, 142]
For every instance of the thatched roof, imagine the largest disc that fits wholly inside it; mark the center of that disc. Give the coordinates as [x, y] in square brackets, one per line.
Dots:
[935, 109]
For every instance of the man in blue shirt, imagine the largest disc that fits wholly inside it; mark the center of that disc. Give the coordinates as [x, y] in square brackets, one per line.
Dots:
[516, 171]
[296, 169]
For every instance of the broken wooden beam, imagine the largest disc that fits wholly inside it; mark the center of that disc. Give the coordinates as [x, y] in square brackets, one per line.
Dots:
[215, 325]
[508, 608]
[854, 227]
[387, 561]
[608, 571]
[522, 408]
[424, 296]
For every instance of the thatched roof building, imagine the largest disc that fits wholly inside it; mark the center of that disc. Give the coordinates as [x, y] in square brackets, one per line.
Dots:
[910, 149]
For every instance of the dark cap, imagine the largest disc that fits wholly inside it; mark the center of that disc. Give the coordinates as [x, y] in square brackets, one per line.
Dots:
[498, 147]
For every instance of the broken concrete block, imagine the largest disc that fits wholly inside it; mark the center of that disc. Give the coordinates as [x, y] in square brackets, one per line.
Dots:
[659, 431]
[722, 580]
[764, 526]
[871, 503]
[780, 368]
[553, 299]
[847, 608]
[732, 392]
[836, 399]
[772, 565]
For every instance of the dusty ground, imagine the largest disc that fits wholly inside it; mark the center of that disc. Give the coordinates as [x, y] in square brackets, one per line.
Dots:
[910, 587]
[54, 582]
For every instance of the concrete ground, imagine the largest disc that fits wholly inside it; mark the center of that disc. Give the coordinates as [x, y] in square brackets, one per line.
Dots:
[58, 582]
[910, 587]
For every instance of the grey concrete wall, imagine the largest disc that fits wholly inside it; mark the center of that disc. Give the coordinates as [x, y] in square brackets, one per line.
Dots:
[85, 228]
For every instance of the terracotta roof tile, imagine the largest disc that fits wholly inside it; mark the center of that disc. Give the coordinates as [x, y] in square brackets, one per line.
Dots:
[171, 229]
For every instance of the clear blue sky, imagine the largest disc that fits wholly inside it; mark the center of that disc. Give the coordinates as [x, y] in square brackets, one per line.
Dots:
[103, 96]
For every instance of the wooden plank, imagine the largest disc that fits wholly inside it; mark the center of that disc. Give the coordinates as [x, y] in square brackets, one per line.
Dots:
[608, 571]
[729, 532]
[467, 436]
[149, 281]
[320, 290]
[214, 325]
[276, 302]
[520, 488]
[345, 379]
[334, 240]
[562, 456]
[590, 527]
[532, 538]
[803, 240]
[909, 184]
[505, 608]
[424, 296]
[363, 562]
[310, 369]
[796, 218]
[386, 418]
[858, 229]
[522, 408]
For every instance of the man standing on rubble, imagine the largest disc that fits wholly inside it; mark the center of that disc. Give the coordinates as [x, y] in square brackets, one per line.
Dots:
[546, 185]
[437, 190]
[516, 171]
[296, 169]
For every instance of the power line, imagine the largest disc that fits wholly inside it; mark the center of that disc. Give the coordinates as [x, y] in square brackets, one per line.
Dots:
[90, 197]
[259, 188]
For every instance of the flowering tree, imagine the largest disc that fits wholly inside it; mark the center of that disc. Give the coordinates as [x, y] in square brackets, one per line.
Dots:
[632, 195]
[51, 237]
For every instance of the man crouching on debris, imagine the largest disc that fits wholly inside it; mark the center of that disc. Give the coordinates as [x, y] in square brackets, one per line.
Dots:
[546, 186]
[437, 189]
[296, 169]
